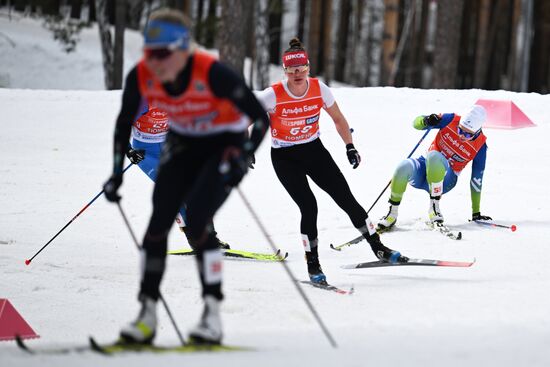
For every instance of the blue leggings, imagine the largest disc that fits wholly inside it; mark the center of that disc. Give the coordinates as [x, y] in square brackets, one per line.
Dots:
[149, 165]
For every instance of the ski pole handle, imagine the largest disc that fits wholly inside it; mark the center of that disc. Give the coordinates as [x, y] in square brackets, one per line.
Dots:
[512, 227]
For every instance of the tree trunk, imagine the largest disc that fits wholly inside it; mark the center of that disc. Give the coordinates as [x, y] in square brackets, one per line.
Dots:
[106, 42]
[447, 42]
[199, 23]
[343, 29]
[482, 48]
[210, 24]
[540, 67]
[275, 20]
[410, 9]
[302, 18]
[389, 44]
[135, 13]
[232, 35]
[376, 32]
[326, 37]
[314, 36]
[118, 61]
[76, 8]
[262, 44]
[91, 11]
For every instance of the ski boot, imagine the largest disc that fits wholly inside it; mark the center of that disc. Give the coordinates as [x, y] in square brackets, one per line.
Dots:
[389, 220]
[142, 330]
[221, 244]
[434, 213]
[209, 329]
[314, 270]
[382, 252]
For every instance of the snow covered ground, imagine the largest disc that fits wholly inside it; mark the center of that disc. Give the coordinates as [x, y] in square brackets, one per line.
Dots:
[55, 153]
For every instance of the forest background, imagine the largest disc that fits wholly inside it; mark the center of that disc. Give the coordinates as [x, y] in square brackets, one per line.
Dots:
[451, 44]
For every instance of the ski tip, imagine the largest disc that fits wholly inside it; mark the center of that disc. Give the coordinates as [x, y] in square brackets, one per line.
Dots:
[335, 248]
[347, 266]
[20, 342]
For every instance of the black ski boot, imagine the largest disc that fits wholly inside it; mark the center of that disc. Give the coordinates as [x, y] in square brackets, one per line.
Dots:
[314, 270]
[382, 252]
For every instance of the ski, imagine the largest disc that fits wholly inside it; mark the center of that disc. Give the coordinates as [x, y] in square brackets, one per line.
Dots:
[444, 230]
[347, 244]
[329, 287]
[278, 256]
[358, 239]
[53, 351]
[118, 348]
[411, 262]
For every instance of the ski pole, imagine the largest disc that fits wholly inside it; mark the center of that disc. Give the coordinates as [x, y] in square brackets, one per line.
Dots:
[164, 303]
[28, 261]
[512, 227]
[288, 271]
[389, 183]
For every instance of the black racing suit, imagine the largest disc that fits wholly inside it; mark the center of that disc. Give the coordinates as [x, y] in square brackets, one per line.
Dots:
[293, 164]
[189, 171]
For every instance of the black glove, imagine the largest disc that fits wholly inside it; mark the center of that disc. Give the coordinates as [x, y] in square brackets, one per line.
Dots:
[135, 155]
[353, 156]
[252, 161]
[478, 216]
[432, 120]
[111, 188]
[234, 165]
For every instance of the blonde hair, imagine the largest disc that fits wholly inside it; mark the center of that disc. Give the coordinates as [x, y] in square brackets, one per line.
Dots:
[175, 16]
[171, 16]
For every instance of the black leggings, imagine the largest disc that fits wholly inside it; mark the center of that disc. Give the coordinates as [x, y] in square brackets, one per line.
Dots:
[188, 175]
[293, 164]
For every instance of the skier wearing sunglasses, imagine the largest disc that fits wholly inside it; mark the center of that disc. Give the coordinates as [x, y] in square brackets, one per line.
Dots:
[459, 141]
[294, 106]
[206, 152]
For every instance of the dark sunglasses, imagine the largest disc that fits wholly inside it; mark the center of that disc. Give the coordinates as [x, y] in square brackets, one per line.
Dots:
[157, 53]
[466, 134]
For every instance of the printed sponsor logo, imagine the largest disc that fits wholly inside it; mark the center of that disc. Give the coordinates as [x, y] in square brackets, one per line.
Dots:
[456, 144]
[292, 123]
[298, 137]
[458, 158]
[297, 110]
[312, 120]
[436, 190]
[187, 106]
[295, 56]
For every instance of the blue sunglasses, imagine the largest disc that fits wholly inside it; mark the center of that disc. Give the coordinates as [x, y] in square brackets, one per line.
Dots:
[466, 134]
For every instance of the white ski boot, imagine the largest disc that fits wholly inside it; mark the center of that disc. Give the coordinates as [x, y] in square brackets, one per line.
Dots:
[434, 213]
[209, 329]
[389, 220]
[142, 330]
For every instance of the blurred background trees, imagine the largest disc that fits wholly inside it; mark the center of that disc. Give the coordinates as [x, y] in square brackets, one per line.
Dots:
[487, 44]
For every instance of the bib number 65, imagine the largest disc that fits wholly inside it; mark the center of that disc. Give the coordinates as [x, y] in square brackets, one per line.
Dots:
[300, 130]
